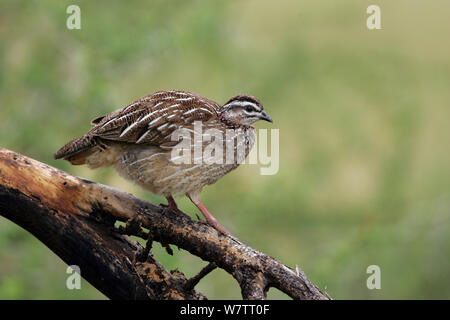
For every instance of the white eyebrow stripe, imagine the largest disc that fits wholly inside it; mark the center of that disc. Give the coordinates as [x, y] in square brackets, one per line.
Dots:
[243, 103]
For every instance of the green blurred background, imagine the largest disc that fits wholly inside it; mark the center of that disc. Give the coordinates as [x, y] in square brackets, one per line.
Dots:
[363, 115]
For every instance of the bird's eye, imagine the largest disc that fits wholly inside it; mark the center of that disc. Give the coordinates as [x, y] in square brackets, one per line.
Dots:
[249, 108]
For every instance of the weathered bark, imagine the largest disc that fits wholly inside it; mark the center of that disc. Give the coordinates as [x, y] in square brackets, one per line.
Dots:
[75, 219]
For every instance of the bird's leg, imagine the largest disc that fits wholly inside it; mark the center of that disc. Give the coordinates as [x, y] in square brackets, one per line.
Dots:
[172, 205]
[208, 216]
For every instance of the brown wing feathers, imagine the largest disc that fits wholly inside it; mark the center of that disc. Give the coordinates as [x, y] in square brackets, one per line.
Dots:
[151, 119]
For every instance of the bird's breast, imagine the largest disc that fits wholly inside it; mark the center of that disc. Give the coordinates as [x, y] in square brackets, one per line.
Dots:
[186, 167]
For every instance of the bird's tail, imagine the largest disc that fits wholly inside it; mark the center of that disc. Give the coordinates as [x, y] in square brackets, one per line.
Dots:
[77, 150]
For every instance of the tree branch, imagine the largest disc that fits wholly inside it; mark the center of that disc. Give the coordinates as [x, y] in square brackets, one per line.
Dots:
[75, 219]
[192, 282]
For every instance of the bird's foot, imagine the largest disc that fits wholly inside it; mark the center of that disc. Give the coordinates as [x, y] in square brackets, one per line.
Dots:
[213, 223]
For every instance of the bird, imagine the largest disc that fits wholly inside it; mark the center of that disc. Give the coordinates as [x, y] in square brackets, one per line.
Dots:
[140, 141]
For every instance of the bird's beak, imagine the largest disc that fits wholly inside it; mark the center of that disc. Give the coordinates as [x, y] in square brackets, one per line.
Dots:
[265, 116]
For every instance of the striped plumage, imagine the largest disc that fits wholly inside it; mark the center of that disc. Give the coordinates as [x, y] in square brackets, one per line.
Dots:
[138, 141]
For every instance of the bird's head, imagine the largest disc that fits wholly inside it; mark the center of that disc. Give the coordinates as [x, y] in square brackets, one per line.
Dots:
[243, 110]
